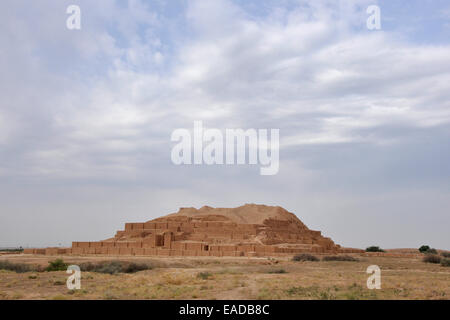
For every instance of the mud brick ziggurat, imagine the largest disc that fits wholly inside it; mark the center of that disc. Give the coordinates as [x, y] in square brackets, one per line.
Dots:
[250, 230]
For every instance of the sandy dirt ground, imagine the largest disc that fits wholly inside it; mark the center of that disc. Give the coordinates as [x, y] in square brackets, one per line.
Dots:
[231, 278]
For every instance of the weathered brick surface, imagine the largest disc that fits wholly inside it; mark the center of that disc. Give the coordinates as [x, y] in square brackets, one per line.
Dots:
[125, 251]
[102, 250]
[150, 251]
[138, 226]
[194, 246]
[95, 244]
[114, 251]
[227, 248]
[176, 252]
[108, 244]
[77, 251]
[269, 231]
[168, 236]
[161, 225]
[163, 252]
[83, 244]
[135, 244]
[138, 251]
[51, 251]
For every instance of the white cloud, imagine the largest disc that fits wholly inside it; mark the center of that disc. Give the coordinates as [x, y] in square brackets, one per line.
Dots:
[99, 105]
[280, 67]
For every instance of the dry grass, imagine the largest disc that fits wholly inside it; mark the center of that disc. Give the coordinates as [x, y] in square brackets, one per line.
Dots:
[233, 278]
[305, 257]
[339, 258]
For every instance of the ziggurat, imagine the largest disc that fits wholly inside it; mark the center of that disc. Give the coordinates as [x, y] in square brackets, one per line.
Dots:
[250, 230]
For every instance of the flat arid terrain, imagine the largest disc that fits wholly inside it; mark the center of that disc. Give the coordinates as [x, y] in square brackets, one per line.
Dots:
[229, 278]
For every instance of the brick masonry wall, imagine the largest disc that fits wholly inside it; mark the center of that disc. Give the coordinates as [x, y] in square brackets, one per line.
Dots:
[189, 237]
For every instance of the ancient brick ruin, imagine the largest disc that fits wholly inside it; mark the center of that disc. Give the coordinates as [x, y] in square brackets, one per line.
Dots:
[250, 230]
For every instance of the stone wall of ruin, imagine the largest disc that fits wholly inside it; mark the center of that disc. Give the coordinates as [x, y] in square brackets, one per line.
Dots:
[196, 237]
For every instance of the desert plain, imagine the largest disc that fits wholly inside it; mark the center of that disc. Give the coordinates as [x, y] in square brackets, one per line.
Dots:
[230, 278]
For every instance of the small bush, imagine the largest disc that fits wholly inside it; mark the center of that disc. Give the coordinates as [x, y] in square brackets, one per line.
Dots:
[16, 267]
[374, 249]
[445, 262]
[204, 275]
[57, 265]
[305, 257]
[12, 250]
[113, 267]
[431, 251]
[445, 254]
[133, 267]
[424, 248]
[432, 258]
[59, 283]
[277, 271]
[87, 266]
[339, 258]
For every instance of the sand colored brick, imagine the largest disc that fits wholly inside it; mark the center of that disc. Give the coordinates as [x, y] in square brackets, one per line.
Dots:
[113, 251]
[108, 244]
[83, 244]
[250, 230]
[150, 251]
[101, 250]
[95, 244]
[125, 251]
[51, 251]
[77, 250]
[162, 252]
[138, 251]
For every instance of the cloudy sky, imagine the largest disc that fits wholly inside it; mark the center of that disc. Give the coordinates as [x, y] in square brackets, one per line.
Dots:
[364, 115]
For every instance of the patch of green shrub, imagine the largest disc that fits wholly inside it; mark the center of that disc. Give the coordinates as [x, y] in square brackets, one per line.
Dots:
[374, 249]
[204, 275]
[424, 248]
[57, 265]
[305, 257]
[277, 271]
[87, 266]
[432, 258]
[113, 267]
[132, 267]
[445, 262]
[445, 254]
[339, 258]
[16, 267]
[431, 251]
[10, 250]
